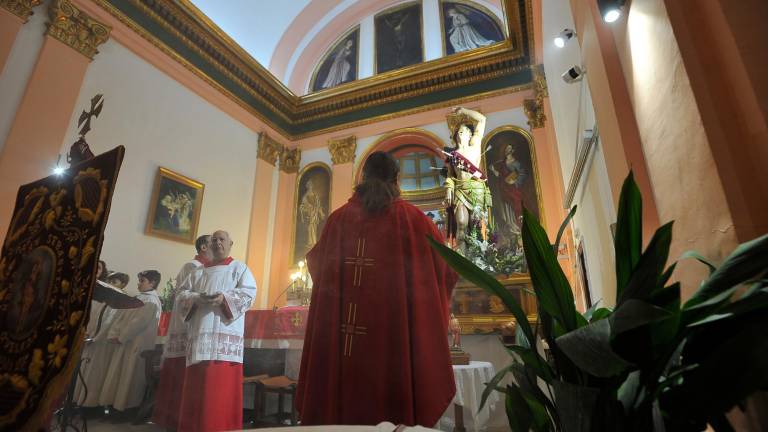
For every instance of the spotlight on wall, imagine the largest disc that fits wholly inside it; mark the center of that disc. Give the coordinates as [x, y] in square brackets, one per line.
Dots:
[573, 75]
[563, 37]
[610, 9]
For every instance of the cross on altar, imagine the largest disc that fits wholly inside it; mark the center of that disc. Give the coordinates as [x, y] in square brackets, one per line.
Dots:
[350, 329]
[359, 261]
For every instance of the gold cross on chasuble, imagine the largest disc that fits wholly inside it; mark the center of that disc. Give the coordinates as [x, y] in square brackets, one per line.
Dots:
[359, 261]
[350, 329]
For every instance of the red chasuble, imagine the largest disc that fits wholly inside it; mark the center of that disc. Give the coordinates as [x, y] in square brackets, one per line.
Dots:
[376, 346]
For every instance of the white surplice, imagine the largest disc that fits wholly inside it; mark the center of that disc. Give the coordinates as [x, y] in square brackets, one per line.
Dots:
[176, 343]
[136, 329]
[96, 355]
[216, 332]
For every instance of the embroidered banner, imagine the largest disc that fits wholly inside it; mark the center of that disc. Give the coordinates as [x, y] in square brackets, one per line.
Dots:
[47, 271]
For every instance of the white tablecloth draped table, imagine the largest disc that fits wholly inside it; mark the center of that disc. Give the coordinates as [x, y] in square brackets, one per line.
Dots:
[470, 383]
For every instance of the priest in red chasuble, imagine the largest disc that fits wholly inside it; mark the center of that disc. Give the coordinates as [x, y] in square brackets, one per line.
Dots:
[376, 346]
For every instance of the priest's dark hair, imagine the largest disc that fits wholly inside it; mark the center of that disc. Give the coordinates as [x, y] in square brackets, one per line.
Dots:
[379, 186]
[201, 241]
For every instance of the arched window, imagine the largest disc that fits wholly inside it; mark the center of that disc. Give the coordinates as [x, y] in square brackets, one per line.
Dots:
[419, 170]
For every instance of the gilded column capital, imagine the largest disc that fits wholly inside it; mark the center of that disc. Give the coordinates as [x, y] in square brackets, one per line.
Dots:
[20, 8]
[539, 81]
[289, 160]
[269, 149]
[75, 28]
[534, 110]
[343, 150]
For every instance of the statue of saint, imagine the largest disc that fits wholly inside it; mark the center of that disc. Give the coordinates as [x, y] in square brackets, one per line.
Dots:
[312, 213]
[455, 328]
[468, 197]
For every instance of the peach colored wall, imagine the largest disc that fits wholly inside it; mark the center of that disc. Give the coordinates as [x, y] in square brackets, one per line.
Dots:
[281, 243]
[9, 27]
[721, 45]
[341, 184]
[41, 122]
[681, 166]
[258, 233]
[613, 109]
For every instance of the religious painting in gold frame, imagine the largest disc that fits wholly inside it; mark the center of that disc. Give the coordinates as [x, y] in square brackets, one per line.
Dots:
[513, 178]
[311, 209]
[467, 25]
[339, 64]
[399, 37]
[174, 210]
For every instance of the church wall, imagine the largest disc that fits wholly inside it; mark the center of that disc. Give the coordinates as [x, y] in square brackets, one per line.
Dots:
[162, 123]
[682, 168]
[572, 114]
[18, 67]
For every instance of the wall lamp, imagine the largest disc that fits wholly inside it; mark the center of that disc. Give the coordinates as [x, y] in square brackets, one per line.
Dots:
[610, 9]
[574, 74]
[563, 37]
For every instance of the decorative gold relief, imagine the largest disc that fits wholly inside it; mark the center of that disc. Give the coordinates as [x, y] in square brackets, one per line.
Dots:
[343, 150]
[75, 28]
[539, 80]
[20, 8]
[90, 195]
[534, 110]
[269, 149]
[289, 160]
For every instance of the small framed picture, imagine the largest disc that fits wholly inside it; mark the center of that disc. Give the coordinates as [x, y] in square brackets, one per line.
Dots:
[174, 210]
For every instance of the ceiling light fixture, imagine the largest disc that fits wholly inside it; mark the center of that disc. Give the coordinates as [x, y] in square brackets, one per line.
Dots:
[574, 74]
[563, 37]
[610, 9]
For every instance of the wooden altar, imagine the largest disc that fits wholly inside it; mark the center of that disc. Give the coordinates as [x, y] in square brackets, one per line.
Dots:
[481, 313]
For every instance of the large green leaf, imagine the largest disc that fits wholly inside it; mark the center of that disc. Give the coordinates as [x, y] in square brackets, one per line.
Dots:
[630, 392]
[533, 360]
[563, 226]
[650, 269]
[745, 262]
[575, 406]
[635, 313]
[628, 241]
[519, 414]
[526, 381]
[491, 385]
[485, 281]
[551, 286]
[601, 313]
[697, 256]
[590, 349]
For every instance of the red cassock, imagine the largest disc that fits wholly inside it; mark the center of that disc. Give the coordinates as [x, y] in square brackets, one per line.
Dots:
[376, 346]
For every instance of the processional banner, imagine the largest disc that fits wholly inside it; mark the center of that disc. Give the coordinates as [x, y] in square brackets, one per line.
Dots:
[47, 271]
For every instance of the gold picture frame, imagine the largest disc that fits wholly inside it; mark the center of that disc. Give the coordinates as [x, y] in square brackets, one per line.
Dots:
[483, 313]
[320, 173]
[174, 209]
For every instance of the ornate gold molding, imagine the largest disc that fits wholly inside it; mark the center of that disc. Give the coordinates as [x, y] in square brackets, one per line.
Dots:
[20, 8]
[75, 28]
[290, 160]
[534, 108]
[343, 150]
[269, 150]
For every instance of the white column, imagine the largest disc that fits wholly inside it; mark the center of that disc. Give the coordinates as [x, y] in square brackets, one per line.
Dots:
[365, 64]
[433, 43]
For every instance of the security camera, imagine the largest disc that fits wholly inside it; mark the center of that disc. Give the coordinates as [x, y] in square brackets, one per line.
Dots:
[573, 75]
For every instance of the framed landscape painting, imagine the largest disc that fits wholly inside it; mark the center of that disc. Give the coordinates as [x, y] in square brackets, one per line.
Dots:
[174, 210]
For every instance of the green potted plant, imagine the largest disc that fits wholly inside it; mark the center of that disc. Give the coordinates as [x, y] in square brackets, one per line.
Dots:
[167, 297]
[651, 363]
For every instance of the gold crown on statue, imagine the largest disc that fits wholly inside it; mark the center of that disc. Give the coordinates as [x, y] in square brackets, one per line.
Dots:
[455, 120]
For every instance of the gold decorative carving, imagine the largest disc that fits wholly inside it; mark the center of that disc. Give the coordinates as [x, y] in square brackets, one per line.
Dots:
[20, 8]
[539, 80]
[290, 160]
[269, 150]
[343, 150]
[75, 28]
[534, 110]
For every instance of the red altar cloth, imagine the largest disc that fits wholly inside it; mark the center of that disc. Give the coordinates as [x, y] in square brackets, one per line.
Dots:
[289, 322]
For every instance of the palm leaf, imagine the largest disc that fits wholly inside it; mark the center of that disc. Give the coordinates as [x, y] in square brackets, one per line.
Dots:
[629, 233]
